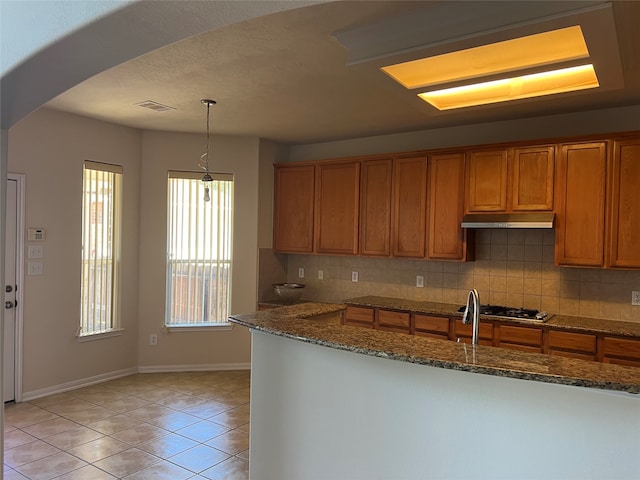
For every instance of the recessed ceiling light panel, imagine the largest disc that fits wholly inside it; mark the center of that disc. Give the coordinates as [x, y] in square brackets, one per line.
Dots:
[527, 86]
[536, 50]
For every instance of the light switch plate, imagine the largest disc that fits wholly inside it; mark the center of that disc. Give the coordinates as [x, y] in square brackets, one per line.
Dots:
[419, 281]
[635, 297]
[301, 272]
[36, 251]
[354, 277]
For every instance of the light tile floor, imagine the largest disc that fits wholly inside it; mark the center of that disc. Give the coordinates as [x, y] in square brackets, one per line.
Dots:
[174, 426]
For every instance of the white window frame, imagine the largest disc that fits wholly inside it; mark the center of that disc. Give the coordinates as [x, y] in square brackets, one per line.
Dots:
[212, 253]
[105, 244]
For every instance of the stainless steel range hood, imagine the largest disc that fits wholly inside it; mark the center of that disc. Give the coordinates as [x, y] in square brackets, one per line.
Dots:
[508, 220]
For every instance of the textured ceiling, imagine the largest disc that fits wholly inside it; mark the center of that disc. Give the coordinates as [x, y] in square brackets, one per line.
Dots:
[286, 77]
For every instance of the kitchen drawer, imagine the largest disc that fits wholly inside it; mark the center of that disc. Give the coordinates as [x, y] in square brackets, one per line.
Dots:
[397, 321]
[427, 323]
[485, 330]
[359, 316]
[508, 334]
[621, 350]
[576, 342]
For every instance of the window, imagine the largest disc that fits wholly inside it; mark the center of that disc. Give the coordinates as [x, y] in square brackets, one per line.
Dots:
[199, 237]
[101, 206]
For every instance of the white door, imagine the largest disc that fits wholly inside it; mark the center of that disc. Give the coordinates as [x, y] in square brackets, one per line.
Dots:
[10, 287]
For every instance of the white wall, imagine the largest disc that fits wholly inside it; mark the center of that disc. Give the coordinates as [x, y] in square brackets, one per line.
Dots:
[49, 148]
[319, 413]
[164, 151]
[585, 123]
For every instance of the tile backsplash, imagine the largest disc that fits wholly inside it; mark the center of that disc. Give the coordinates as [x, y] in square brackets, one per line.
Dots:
[512, 267]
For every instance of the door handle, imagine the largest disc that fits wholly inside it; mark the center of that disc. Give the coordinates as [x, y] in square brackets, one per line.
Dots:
[8, 304]
[8, 288]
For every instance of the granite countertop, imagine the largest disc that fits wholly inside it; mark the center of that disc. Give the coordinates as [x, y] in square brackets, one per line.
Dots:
[564, 322]
[297, 322]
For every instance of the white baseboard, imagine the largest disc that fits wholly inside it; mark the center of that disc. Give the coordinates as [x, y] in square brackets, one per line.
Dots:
[85, 382]
[194, 368]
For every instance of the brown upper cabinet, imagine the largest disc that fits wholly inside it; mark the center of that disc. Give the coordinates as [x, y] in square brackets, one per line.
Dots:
[409, 206]
[337, 205]
[375, 207]
[624, 211]
[446, 238]
[293, 208]
[510, 180]
[486, 179]
[531, 174]
[580, 197]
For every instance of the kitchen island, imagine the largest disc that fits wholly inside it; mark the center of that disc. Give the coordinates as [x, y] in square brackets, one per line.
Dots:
[328, 401]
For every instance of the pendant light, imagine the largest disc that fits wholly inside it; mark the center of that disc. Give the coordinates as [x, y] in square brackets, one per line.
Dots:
[204, 158]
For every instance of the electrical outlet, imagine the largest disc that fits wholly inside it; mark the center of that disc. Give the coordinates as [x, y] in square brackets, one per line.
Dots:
[354, 277]
[35, 268]
[153, 339]
[419, 281]
[301, 272]
[320, 275]
[635, 297]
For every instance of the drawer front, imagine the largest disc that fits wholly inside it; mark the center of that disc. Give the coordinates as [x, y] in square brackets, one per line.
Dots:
[578, 342]
[485, 330]
[621, 347]
[520, 335]
[359, 314]
[387, 318]
[432, 324]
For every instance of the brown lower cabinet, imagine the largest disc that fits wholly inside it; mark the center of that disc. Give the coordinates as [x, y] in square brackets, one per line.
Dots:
[623, 351]
[536, 339]
[464, 332]
[519, 338]
[359, 317]
[393, 321]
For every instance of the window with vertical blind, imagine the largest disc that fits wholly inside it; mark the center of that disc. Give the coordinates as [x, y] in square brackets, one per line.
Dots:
[101, 218]
[199, 238]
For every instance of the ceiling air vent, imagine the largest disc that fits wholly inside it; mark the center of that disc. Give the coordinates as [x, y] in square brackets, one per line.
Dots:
[155, 106]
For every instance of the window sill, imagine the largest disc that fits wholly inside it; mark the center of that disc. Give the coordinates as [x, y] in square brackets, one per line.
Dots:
[116, 332]
[200, 328]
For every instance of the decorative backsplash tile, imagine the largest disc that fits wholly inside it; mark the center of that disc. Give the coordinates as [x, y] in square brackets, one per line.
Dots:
[513, 267]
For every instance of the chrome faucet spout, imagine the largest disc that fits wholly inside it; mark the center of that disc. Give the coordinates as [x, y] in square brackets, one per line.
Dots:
[473, 308]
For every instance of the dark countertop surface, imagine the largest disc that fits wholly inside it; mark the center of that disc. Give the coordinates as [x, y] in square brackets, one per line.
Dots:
[298, 322]
[563, 322]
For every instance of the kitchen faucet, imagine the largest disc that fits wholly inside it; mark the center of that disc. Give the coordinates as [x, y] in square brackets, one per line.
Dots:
[475, 299]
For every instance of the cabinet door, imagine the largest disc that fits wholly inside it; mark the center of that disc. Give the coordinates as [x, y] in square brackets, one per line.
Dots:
[375, 207]
[293, 208]
[409, 207]
[531, 171]
[571, 344]
[624, 351]
[447, 239]
[392, 321]
[337, 206]
[520, 338]
[580, 195]
[359, 317]
[430, 326]
[624, 225]
[486, 184]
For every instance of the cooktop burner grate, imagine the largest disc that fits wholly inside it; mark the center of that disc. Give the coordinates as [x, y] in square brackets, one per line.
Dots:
[510, 312]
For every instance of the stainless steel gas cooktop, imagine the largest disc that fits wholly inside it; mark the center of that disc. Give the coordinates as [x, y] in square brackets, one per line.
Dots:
[512, 312]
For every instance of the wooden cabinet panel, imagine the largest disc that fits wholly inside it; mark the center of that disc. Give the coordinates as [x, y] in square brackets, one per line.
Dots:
[486, 181]
[337, 208]
[509, 334]
[393, 321]
[531, 171]
[580, 196]
[409, 207]
[293, 208]
[430, 326]
[624, 224]
[447, 239]
[624, 351]
[464, 333]
[359, 316]
[375, 207]
[570, 344]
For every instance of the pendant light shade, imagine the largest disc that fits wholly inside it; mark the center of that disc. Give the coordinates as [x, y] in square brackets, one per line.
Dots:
[204, 158]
